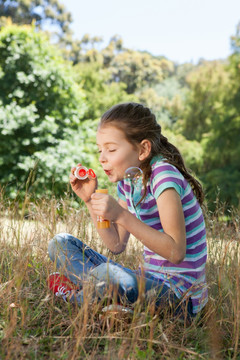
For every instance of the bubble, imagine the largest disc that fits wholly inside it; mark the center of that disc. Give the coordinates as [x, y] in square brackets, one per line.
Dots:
[133, 174]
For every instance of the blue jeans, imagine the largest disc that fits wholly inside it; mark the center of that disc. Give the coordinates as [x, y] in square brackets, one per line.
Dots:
[80, 263]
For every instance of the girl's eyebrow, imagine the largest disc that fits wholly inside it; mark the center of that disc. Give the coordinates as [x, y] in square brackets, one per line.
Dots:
[109, 143]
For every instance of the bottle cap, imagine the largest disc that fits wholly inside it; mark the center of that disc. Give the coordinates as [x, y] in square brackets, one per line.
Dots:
[81, 172]
[102, 191]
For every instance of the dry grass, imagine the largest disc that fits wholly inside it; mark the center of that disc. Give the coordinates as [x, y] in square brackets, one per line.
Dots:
[35, 325]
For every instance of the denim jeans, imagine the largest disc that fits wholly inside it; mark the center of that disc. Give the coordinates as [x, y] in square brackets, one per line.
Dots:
[80, 263]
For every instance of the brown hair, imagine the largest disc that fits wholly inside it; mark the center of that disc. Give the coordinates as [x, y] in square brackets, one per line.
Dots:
[139, 123]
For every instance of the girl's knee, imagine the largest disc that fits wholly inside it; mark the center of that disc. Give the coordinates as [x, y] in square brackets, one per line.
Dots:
[57, 243]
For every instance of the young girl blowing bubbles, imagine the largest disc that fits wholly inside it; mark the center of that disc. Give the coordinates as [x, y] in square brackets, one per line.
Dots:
[164, 215]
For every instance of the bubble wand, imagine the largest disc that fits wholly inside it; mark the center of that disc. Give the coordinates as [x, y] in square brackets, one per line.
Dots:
[82, 173]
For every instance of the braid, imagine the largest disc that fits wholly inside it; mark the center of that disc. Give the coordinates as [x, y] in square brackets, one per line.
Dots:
[174, 157]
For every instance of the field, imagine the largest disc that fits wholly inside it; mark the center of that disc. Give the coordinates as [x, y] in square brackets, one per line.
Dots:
[36, 325]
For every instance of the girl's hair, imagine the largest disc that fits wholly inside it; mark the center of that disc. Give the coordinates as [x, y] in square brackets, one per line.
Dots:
[139, 123]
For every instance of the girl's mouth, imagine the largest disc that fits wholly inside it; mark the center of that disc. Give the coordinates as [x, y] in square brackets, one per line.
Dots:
[107, 172]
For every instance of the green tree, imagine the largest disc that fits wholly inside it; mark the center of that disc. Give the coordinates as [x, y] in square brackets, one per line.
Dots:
[42, 12]
[208, 85]
[166, 100]
[222, 146]
[41, 107]
[101, 92]
[137, 69]
[211, 117]
[48, 15]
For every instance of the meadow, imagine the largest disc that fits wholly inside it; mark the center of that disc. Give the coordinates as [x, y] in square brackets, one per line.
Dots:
[36, 325]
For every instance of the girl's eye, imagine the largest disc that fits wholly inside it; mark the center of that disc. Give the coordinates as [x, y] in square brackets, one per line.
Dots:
[112, 150]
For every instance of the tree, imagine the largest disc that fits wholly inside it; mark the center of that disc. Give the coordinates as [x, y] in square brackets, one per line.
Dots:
[101, 92]
[48, 15]
[211, 117]
[42, 12]
[222, 146]
[41, 107]
[208, 85]
[136, 69]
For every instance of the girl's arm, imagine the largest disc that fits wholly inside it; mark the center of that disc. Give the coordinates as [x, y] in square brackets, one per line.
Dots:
[116, 236]
[170, 244]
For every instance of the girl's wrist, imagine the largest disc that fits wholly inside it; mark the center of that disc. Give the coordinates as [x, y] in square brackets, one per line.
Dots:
[88, 202]
[121, 217]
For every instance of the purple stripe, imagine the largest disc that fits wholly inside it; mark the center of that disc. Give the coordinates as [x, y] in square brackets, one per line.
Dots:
[182, 282]
[156, 226]
[128, 203]
[149, 252]
[176, 279]
[121, 191]
[191, 210]
[149, 204]
[187, 284]
[168, 179]
[195, 223]
[197, 302]
[192, 239]
[127, 188]
[187, 198]
[185, 184]
[164, 167]
[183, 264]
[153, 216]
[197, 249]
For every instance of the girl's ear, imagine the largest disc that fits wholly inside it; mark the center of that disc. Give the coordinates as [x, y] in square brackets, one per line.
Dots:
[145, 149]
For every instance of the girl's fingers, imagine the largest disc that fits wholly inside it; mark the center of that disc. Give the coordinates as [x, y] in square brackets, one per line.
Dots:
[73, 170]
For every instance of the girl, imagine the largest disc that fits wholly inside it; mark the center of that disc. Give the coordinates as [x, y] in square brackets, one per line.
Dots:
[164, 214]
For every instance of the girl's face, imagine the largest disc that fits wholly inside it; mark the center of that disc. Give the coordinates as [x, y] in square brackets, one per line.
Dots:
[116, 153]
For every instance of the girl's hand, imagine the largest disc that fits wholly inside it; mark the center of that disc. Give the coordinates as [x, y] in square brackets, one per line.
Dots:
[83, 188]
[106, 206]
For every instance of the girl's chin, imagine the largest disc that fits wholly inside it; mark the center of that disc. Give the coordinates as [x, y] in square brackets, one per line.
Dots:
[114, 179]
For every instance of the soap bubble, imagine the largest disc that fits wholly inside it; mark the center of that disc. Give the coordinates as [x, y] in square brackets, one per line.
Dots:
[133, 174]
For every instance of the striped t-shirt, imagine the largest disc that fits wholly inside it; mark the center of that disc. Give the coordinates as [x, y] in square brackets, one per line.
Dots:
[188, 277]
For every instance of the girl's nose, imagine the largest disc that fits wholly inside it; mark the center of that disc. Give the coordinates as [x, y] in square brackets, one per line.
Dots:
[102, 157]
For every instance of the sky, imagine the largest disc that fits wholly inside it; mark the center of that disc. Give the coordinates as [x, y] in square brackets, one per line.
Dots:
[181, 30]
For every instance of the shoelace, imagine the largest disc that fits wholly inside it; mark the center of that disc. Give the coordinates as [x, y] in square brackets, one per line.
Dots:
[62, 291]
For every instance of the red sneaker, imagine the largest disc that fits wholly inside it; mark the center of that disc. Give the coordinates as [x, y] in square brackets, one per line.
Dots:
[61, 285]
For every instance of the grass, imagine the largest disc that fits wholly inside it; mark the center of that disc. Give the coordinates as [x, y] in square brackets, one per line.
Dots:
[36, 325]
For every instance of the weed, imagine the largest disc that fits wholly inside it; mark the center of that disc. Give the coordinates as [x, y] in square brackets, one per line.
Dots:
[36, 325]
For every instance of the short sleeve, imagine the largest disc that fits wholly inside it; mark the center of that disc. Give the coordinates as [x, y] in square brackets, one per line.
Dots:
[120, 191]
[165, 176]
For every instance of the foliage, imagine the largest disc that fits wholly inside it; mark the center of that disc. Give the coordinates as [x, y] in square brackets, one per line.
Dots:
[40, 110]
[42, 12]
[191, 150]
[211, 117]
[166, 100]
[101, 92]
[45, 102]
[136, 69]
[208, 85]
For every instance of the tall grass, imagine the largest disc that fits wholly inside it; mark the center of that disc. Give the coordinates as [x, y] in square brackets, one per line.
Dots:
[36, 325]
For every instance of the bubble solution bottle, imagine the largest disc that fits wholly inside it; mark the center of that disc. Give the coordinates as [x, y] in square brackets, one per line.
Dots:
[102, 223]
